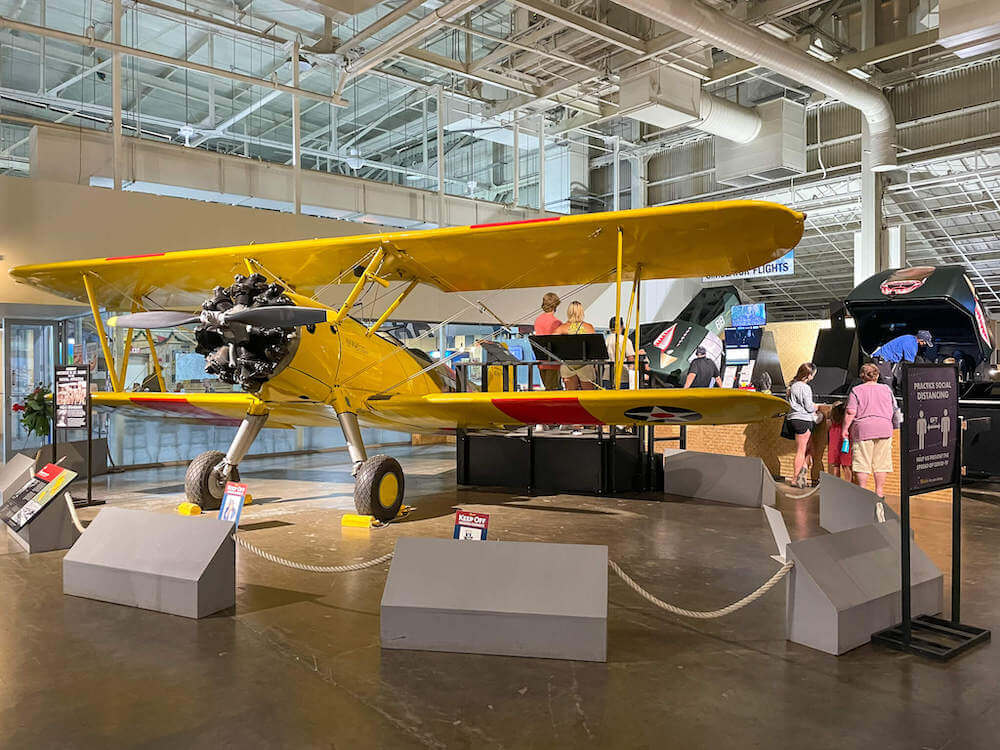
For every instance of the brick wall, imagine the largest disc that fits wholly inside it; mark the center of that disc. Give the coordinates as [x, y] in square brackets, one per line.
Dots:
[764, 440]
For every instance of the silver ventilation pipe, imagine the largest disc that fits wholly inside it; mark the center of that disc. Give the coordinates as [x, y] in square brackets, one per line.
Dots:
[702, 22]
[727, 120]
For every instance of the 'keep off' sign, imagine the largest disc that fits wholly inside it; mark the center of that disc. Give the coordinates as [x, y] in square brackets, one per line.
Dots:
[469, 525]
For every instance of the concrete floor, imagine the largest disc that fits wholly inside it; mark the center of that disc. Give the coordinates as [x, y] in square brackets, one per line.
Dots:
[298, 664]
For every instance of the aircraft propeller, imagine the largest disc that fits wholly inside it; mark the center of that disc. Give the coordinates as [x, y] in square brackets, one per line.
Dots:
[278, 316]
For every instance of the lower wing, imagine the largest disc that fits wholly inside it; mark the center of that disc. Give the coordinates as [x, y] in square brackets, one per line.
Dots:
[441, 411]
[223, 409]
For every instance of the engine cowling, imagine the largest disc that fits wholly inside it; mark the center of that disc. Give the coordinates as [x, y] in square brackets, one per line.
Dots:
[241, 354]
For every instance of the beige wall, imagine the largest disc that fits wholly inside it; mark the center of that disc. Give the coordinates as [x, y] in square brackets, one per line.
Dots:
[51, 221]
[795, 341]
[44, 221]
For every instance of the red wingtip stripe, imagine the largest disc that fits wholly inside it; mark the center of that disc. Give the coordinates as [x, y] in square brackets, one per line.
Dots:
[515, 223]
[133, 257]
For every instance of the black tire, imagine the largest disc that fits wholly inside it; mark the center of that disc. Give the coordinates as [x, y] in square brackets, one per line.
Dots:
[372, 481]
[201, 485]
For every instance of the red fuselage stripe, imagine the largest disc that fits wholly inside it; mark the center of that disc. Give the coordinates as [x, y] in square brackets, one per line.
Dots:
[555, 410]
[514, 223]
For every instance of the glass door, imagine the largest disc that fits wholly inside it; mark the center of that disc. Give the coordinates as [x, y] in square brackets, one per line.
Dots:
[29, 352]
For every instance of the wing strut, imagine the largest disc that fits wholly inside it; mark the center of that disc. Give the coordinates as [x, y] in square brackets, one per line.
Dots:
[116, 385]
[156, 361]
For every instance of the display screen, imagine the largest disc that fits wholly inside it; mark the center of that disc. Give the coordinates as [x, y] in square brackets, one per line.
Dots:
[738, 356]
[745, 316]
[744, 337]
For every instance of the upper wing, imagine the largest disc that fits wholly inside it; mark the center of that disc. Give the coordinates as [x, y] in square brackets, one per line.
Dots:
[223, 409]
[645, 406]
[668, 242]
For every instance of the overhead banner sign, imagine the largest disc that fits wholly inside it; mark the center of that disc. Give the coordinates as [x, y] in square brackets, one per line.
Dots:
[783, 266]
[931, 424]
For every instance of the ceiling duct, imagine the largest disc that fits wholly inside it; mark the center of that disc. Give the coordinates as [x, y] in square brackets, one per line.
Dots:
[779, 152]
[701, 22]
[668, 99]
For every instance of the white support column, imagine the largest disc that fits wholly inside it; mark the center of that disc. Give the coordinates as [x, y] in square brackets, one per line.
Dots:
[296, 131]
[440, 155]
[541, 163]
[615, 173]
[637, 184]
[871, 253]
[869, 15]
[517, 159]
[116, 96]
[896, 241]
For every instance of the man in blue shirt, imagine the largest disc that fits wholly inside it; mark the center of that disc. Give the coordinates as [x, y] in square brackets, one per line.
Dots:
[904, 348]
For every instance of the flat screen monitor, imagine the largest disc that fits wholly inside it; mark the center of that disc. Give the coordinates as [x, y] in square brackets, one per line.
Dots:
[744, 337]
[745, 316]
[738, 356]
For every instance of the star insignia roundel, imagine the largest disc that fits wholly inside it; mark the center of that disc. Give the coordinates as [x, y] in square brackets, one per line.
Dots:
[665, 414]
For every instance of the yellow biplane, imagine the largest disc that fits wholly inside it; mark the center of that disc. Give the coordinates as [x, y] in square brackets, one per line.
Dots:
[302, 363]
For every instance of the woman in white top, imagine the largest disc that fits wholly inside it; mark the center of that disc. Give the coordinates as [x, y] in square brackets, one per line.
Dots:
[577, 376]
[609, 340]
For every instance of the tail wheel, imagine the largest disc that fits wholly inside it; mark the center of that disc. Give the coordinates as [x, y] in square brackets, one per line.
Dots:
[203, 485]
[378, 488]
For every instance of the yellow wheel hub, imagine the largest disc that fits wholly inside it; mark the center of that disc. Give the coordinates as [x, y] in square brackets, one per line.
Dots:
[388, 489]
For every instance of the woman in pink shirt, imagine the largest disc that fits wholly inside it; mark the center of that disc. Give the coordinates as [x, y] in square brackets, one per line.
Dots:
[870, 420]
[545, 325]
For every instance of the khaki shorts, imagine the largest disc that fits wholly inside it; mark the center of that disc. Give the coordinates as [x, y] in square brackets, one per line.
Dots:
[872, 456]
[586, 373]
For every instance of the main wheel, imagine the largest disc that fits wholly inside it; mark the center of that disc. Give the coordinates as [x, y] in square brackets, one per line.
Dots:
[202, 483]
[378, 488]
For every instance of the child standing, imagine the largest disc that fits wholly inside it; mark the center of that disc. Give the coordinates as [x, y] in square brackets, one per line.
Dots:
[837, 460]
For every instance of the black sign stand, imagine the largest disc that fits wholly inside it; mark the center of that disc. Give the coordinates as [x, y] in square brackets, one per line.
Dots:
[930, 636]
[88, 418]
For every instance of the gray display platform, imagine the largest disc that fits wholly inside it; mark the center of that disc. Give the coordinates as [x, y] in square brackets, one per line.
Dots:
[779, 531]
[509, 598]
[739, 480]
[843, 505]
[158, 561]
[51, 529]
[14, 474]
[845, 586]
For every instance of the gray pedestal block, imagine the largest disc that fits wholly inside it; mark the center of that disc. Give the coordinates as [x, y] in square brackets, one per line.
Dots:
[14, 474]
[167, 563]
[845, 586]
[508, 598]
[843, 505]
[740, 480]
[50, 529]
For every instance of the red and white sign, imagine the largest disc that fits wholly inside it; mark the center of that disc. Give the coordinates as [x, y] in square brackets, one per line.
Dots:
[469, 525]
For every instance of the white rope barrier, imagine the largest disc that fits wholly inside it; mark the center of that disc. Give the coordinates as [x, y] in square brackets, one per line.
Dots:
[310, 568]
[72, 512]
[696, 614]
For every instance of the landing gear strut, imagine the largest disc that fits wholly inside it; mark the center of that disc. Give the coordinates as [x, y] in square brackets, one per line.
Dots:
[378, 481]
[207, 475]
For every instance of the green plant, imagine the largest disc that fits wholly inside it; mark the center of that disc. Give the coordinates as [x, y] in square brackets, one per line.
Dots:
[36, 411]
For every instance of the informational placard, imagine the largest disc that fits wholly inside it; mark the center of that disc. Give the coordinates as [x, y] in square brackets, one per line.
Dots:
[469, 525]
[36, 493]
[70, 402]
[930, 444]
[233, 498]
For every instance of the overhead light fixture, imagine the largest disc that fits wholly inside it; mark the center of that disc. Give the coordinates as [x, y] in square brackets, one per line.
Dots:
[859, 73]
[414, 177]
[818, 52]
[353, 160]
[186, 131]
